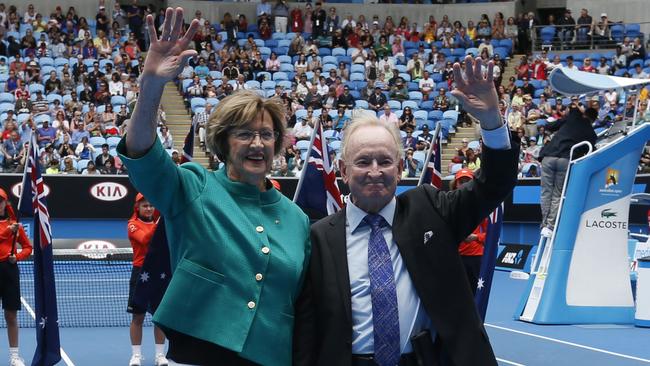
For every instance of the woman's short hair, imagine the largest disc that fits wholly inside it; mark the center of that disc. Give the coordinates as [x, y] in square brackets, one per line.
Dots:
[237, 110]
[363, 119]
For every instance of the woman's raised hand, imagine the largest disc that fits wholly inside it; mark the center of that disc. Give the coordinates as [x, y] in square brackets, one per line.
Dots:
[168, 54]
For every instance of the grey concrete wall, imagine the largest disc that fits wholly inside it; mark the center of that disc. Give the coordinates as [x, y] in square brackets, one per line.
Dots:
[415, 13]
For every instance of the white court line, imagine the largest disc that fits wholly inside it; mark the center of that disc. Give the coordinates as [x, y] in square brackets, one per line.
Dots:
[510, 362]
[570, 343]
[31, 312]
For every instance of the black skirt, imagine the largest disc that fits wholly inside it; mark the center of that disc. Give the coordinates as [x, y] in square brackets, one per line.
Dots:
[184, 348]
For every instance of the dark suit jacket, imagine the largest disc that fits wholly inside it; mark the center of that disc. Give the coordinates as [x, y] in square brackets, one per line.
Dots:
[323, 328]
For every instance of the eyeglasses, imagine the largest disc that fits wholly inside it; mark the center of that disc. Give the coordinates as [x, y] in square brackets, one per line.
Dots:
[248, 136]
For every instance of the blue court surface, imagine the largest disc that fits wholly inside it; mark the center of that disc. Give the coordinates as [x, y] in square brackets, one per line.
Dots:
[514, 342]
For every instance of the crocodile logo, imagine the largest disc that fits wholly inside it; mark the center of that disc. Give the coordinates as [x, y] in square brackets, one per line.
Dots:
[607, 213]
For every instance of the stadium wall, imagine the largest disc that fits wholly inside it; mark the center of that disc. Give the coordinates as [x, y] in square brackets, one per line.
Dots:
[627, 11]
[415, 13]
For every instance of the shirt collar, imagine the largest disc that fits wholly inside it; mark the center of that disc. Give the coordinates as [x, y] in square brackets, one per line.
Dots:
[355, 215]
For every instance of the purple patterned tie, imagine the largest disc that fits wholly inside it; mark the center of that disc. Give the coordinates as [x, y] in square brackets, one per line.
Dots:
[385, 318]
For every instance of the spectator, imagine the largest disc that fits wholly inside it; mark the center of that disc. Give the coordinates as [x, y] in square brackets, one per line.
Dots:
[135, 16]
[486, 45]
[105, 156]
[272, 63]
[40, 104]
[109, 168]
[407, 119]
[359, 55]
[567, 27]
[413, 166]
[303, 129]
[377, 100]
[399, 91]
[166, 138]
[296, 20]
[332, 22]
[584, 26]
[84, 149]
[638, 51]
[441, 102]
[340, 122]
[603, 68]
[53, 166]
[13, 150]
[389, 117]
[473, 160]
[538, 71]
[90, 169]
[408, 141]
[346, 100]
[515, 117]
[68, 166]
[600, 30]
[318, 17]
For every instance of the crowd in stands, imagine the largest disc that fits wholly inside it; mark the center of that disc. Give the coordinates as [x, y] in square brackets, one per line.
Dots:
[74, 80]
[71, 79]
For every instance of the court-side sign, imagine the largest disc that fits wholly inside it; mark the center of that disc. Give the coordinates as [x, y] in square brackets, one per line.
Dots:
[513, 256]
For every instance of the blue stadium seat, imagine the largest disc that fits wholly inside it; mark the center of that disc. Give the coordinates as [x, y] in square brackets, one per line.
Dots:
[633, 30]
[415, 95]
[411, 104]
[284, 59]
[253, 84]
[7, 98]
[338, 51]
[280, 76]
[360, 103]
[268, 85]
[427, 105]
[324, 51]
[395, 104]
[357, 77]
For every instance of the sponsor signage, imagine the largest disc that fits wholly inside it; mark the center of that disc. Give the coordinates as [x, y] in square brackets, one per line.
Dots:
[17, 190]
[111, 197]
[108, 191]
[513, 256]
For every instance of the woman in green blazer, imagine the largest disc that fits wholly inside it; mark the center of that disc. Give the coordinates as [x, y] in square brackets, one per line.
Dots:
[238, 246]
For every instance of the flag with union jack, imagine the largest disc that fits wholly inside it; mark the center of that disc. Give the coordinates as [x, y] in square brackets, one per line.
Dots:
[188, 146]
[431, 173]
[318, 193]
[491, 246]
[47, 324]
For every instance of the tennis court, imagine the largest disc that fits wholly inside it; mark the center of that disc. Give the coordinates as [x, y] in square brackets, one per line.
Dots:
[92, 295]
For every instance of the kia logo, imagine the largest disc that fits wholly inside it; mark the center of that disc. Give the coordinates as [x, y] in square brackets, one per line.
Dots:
[17, 189]
[95, 249]
[108, 191]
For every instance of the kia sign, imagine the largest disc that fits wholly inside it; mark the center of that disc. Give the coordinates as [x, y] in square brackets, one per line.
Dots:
[17, 189]
[108, 191]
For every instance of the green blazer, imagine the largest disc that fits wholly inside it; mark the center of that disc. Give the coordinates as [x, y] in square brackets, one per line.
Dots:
[238, 256]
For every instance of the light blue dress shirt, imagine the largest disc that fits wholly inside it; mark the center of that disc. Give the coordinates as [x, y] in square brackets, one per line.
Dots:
[412, 317]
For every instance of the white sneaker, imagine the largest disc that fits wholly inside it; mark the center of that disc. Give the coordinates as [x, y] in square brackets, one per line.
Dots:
[136, 360]
[546, 232]
[161, 360]
[15, 360]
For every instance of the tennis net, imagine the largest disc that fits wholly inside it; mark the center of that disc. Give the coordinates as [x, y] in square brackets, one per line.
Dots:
[92, 288]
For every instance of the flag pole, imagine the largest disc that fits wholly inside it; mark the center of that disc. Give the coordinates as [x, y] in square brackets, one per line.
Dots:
[436, 132]
[304, 166]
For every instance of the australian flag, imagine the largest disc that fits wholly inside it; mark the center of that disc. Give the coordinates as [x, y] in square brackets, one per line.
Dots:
[318, 193]
[188, 146]
[491, 246]
[32, 202]
[431, 173]
[156, 269]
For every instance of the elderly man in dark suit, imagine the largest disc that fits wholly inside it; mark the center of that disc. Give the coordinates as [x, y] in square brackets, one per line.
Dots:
[385, 270]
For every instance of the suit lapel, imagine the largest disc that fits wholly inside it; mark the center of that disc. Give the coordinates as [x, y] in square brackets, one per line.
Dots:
[338, 246]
